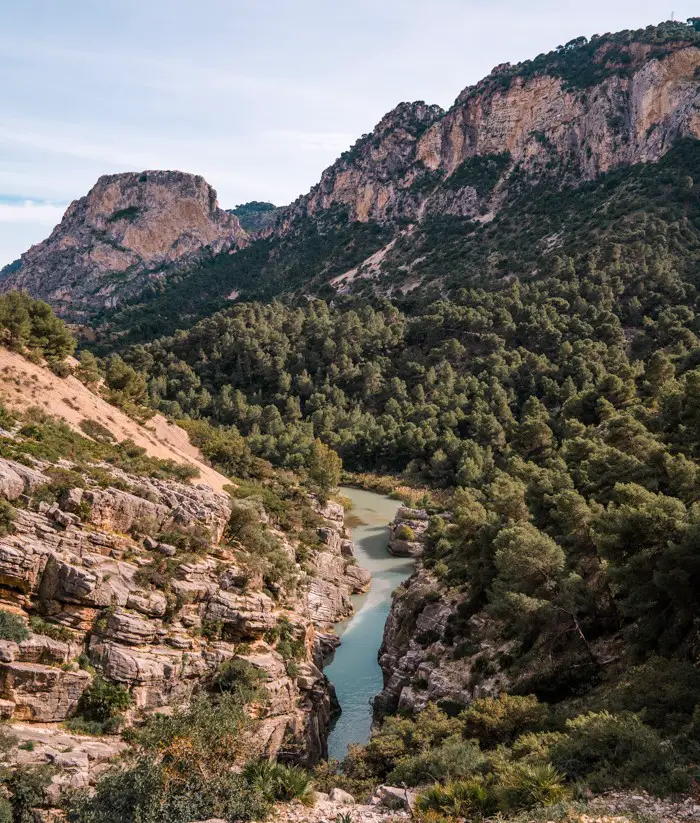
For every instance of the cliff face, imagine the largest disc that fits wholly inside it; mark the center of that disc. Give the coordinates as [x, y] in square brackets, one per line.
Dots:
[108, 592]
[127, 232]
[420, 160]
[564, 118]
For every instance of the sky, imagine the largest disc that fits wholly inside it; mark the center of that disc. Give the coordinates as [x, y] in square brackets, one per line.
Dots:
[258, 97]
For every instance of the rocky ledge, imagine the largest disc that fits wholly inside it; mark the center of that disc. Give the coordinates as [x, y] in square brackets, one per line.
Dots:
[103, 593]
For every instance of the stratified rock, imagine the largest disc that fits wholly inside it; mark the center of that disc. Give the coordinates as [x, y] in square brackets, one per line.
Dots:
[44, 694]
[401, 171]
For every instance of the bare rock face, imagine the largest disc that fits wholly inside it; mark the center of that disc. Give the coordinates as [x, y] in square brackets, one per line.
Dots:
[129, 231]
[419, 663]
[407, 531]
[413, 163]
[160, 623]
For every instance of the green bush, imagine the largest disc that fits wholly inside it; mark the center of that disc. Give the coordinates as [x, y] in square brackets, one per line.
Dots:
[6, 815]
[27, 787]
[398, 738]
[524, 786]
[181, 769]
[95, 430]
[279, 782]
[472, 799]
[609, 751]
[494, 720]
[39, 626]
[7, 518]
[147, 792]
[100, 707]
[240, 678]
[12, 627]
[454, 759]
[405, 532]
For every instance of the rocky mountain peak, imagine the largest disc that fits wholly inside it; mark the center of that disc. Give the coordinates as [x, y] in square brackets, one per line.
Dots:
[580, 110]
[130, 230]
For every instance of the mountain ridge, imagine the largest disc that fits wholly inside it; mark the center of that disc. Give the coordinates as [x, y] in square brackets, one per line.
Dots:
[565, 117]
[126, 230]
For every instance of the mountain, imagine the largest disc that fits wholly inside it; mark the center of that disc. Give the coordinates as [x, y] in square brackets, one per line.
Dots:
[559, 122]
[255, 215]
[130, 229]
[584, 109]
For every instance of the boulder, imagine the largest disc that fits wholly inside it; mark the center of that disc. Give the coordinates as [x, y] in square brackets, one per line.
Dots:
[342, 797]
[17, 479]
[395, 798]
[43, 694]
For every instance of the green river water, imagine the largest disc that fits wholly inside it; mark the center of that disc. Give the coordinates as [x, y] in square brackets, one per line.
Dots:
[354, 670]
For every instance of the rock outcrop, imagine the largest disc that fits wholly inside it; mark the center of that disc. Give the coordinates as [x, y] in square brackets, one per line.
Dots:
[407, 532]
[127, 233]
[107, 594]
[425, 656]
[421, 161]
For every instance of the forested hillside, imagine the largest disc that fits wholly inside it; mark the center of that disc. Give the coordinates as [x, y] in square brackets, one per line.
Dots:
[556, 398]
[508, 324]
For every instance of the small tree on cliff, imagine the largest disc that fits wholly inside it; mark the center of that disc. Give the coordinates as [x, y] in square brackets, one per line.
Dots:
[324, 467]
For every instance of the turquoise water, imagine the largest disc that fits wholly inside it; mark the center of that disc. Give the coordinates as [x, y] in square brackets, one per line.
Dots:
[354, 670]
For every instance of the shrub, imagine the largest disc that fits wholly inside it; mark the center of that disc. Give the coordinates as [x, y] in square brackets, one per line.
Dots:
[427, 637]
[617, 751]
[663, 692]
[523, 786]
[6, 815]
[7, 518]
[401, 737]
[61, 368]
[97, 431]
[454, 759]
[494, 720]
[405, 532]
[103, 703]
[240, 678]
[39, 626]
[12, 627]
[27, 788]
[276, 781]
[146, 791]
[472, 799]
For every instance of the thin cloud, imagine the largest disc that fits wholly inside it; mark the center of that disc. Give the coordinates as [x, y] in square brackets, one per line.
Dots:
[31, 211]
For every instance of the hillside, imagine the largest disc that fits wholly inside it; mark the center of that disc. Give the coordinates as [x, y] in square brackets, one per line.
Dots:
[26, 385]
[129, 230]
[491, 312]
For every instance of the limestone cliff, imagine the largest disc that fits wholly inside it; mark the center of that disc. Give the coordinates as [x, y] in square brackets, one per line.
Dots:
[127, 233]
[421, 160]
[91, 573]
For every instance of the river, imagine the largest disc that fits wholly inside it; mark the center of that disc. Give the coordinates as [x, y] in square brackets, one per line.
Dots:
[354, 670]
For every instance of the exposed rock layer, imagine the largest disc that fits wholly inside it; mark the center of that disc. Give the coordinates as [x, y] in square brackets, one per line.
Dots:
[405, 169]
[158, 621]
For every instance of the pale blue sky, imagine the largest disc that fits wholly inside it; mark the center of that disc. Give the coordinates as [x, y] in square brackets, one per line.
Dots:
[257, 96]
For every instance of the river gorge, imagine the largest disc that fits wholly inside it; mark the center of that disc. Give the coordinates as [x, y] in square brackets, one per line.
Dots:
[354, 670]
